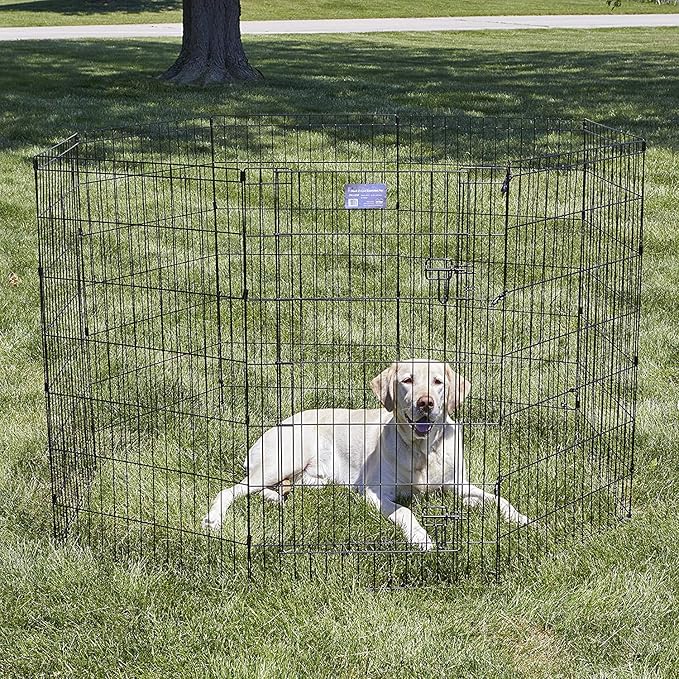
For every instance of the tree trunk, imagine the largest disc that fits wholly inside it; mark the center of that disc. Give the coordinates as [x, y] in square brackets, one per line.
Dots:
[212, 51]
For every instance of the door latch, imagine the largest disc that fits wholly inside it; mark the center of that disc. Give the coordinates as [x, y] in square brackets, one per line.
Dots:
[441, 271]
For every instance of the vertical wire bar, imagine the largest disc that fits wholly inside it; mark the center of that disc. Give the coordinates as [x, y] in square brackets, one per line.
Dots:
[580, 369]
[218, 295]
[43, 206]
[246, 363]
[636, 315]
[498, 491]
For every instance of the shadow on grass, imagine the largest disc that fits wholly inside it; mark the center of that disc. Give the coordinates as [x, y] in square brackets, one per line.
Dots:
[82, 7]
[48, 90]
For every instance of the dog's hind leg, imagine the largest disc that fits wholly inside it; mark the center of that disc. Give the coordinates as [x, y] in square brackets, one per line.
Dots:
[213, 519]
[272, 495]
[312, 478]
[276, 456]
[224, 499]
[267, 464]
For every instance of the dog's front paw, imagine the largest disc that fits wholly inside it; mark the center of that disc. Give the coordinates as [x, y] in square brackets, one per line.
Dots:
[421, 540]
[211, 522]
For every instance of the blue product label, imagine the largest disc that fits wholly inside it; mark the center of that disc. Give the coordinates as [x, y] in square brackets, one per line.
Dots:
[365, 196]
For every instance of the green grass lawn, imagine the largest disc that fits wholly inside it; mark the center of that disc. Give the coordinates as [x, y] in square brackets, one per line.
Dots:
[66, 12]
[608, 608]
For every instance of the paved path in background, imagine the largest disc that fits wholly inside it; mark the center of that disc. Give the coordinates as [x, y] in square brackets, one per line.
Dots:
[351, 26]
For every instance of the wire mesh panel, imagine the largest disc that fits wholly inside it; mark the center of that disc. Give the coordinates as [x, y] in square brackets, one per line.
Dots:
[400, 349]
[72, 458]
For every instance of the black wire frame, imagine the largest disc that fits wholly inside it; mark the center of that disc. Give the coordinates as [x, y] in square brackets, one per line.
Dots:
[203, 280]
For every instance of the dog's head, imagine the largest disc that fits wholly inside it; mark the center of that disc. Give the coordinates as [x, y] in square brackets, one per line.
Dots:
[420, 393]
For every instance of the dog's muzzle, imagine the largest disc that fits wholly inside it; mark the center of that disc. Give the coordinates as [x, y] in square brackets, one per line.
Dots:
[421, 426]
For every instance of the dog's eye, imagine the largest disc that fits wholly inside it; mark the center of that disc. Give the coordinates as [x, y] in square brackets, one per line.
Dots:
[407, 380]
[438, 381]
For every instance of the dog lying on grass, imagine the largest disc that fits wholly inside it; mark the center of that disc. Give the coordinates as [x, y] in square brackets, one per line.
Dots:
[386, 454]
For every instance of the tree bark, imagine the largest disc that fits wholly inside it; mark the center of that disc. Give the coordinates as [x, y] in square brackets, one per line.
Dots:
[212, 51]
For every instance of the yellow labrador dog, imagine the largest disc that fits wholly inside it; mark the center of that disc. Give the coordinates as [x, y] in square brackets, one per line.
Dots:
[386, 454]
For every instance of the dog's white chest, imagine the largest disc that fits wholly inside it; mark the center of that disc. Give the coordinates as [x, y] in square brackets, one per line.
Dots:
[400, 468]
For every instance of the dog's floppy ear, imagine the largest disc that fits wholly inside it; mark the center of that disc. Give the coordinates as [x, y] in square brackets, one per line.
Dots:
[457, 389]
[383, 386]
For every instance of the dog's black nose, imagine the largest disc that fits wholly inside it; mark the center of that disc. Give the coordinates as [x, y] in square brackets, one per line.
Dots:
[425, 402]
